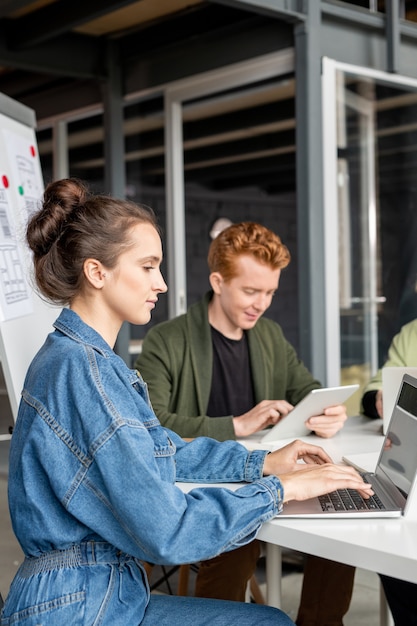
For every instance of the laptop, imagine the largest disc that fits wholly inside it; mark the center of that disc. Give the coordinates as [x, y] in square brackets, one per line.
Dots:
[394, 478]
[391, 381]
[314, 403]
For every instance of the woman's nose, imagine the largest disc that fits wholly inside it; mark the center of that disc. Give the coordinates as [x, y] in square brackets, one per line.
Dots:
[161, 285]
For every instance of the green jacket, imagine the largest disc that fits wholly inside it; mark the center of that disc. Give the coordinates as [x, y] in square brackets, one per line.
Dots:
[402, 353]
[176, 363]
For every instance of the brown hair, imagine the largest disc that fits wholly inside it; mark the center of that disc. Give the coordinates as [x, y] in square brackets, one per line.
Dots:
[73, 225]
[246, 238]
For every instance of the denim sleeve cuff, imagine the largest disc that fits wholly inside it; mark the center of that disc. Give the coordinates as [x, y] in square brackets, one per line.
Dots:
[274, 486]
[254, 465]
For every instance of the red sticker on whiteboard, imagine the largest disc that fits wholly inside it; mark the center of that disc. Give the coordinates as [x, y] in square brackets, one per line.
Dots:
[32, 151]
[5, 181]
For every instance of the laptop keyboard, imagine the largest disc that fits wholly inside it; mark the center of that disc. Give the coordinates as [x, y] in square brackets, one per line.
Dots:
[349, 500]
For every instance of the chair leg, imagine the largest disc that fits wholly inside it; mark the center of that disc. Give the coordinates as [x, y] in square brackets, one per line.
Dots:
[255, 591]
[183, 577]
[148, 567]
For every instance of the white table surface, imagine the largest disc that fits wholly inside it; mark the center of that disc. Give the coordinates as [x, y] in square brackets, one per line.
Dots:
[386, 546]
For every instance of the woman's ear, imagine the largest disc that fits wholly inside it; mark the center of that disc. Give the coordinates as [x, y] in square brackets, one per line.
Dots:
[216, 280]
[94, 273]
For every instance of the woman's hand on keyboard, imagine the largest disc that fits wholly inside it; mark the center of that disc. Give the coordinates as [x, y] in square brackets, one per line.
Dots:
[310, 481]
[287, 458]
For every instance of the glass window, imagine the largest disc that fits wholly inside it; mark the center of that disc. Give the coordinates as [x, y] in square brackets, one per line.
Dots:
[375, 161]
[407, 8]
[372, 5]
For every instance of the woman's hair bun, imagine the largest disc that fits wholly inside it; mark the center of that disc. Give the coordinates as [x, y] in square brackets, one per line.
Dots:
[60, 200]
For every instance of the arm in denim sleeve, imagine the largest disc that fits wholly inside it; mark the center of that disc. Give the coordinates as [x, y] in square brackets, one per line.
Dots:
[89, 460]
[207, 460]
[134, 508]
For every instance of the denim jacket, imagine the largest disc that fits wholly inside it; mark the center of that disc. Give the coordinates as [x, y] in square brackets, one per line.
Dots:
[91, 464]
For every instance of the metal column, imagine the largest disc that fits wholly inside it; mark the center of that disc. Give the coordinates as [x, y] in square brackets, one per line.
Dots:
[115, 175]
[310, 205]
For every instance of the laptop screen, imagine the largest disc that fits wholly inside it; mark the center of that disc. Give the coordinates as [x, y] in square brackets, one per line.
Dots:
[398, 458]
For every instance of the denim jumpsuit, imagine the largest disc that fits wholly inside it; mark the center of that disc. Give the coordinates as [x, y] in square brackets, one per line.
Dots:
[92, 489]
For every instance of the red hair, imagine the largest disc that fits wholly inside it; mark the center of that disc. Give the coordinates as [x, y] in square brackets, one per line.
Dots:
[246, 238]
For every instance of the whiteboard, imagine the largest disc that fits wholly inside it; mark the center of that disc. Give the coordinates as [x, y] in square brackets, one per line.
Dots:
[25, 319]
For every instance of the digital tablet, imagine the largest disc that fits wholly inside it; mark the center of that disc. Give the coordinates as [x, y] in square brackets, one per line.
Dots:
[314, 403]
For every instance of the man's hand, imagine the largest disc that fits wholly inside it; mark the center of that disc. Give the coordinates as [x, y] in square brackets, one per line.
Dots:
[266, 413]
[328, 424]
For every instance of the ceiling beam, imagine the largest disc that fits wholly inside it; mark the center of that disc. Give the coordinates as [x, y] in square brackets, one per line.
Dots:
[287, 10]
[56, 19]
[184, 26]
[10, 6]
[76, 55]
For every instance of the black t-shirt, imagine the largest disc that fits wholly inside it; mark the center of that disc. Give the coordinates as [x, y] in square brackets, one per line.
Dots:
[231, 388]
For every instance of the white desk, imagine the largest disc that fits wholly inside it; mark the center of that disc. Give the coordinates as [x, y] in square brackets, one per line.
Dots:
[386, 546]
